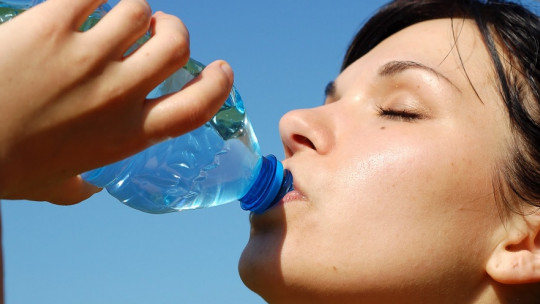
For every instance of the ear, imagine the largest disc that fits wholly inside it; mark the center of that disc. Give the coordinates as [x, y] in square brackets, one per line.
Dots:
[516, 259]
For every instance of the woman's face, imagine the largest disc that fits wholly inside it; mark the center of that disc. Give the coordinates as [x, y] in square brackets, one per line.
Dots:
[393, 176]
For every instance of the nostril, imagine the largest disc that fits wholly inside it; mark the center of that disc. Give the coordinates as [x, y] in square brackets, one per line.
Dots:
[304, 141]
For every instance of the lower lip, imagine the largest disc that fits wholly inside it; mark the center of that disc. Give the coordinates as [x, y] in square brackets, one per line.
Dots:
[260, 220]
[293, 196]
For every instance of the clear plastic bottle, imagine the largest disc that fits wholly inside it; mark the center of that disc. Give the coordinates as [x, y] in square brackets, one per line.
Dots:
[217, 163]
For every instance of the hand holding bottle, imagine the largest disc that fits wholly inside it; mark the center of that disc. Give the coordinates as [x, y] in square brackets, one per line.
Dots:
[64, 93]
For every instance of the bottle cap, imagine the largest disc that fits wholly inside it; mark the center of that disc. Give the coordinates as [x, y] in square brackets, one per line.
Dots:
[271, 185]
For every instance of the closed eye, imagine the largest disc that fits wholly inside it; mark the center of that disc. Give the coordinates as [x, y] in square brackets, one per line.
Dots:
[399, 115]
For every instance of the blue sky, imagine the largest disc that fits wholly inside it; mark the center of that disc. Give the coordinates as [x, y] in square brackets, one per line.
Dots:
[284, 52]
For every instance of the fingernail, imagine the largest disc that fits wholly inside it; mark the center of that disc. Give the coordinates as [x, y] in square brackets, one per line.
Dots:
[225, 67]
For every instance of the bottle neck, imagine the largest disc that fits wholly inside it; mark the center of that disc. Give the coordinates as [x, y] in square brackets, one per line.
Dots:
[272, 183]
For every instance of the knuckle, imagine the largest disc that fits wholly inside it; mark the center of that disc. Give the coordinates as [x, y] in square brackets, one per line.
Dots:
[174, 37]
[84, 56]
[83, 59]
[51, 30]
[137, 11]
[178, 47]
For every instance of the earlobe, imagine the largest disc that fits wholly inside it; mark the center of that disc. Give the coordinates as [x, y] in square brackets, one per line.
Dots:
[516, 259]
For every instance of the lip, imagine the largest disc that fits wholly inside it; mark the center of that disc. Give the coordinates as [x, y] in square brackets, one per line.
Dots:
[296, 193]
[274, 216]
[293, 195]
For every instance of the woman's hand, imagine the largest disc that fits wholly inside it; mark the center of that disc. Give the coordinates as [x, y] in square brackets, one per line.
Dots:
[71, 101]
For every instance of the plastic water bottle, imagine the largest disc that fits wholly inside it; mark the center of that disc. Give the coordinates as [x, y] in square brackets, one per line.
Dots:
[217, 163]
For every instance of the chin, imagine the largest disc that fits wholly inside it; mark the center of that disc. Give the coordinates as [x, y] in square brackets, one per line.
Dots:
[260, 263]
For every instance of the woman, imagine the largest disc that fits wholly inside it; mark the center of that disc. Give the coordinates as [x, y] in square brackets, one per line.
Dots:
[418, 180]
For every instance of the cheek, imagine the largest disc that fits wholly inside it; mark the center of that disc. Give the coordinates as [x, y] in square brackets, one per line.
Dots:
[417, 183]
[431, 204]
[425, 167]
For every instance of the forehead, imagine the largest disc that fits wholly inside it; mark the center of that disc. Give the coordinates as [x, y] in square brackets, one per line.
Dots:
[453, 47]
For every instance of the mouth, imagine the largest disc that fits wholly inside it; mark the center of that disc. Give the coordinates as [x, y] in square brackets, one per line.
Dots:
[295, 192]
[293, 195]
[275, 215]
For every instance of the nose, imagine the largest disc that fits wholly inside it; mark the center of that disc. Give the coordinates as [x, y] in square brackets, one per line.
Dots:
[306, 130]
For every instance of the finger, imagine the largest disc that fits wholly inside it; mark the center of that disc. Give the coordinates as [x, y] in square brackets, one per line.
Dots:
[181, 112]
[74, 12]
[122, 26]
[162, 55]
[68, 192]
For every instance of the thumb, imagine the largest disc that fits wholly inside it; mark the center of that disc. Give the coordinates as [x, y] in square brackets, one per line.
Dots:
[67, 192]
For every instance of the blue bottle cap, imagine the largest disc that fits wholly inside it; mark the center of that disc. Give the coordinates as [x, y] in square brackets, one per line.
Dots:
[269, 188]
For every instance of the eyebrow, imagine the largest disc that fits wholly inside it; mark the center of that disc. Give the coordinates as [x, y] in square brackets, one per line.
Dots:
[395, 67]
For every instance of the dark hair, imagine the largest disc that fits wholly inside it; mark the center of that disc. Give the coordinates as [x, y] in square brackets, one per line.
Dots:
[502, 24]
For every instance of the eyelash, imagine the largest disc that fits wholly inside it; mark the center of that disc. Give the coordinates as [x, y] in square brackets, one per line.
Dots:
[399, 115]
